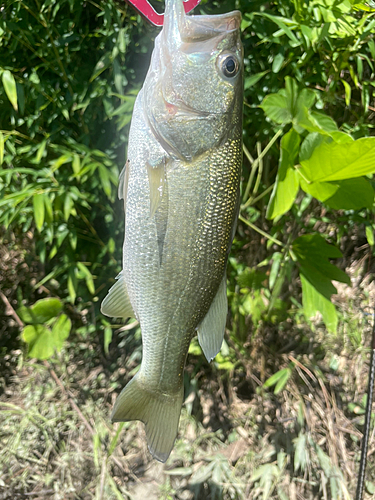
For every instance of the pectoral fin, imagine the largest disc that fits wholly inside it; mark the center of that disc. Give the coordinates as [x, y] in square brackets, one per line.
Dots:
[156, 178]
[123, 182]
[117, 304]
[211, 329]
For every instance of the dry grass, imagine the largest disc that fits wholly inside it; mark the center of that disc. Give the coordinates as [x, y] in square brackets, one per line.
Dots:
[237, 440]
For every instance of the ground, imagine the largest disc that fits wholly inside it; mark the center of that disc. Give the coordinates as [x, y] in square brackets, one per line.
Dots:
[237, 439]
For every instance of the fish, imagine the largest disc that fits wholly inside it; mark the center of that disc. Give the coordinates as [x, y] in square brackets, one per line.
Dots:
[180, 187]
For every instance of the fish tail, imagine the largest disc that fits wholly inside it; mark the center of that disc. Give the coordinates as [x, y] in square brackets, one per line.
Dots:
[159, 412]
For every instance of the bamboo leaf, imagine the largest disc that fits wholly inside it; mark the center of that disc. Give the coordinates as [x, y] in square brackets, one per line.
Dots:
[10, 88]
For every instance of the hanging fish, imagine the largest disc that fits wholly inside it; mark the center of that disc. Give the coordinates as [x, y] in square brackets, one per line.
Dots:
[180, 187]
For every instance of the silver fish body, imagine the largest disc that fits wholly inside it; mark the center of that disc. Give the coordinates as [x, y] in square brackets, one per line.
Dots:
[180, 188]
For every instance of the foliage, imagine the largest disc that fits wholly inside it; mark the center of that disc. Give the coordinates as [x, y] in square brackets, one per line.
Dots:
[70, 72]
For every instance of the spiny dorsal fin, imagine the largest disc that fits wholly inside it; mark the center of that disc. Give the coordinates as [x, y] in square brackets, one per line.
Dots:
[211, 329]
[117, 304]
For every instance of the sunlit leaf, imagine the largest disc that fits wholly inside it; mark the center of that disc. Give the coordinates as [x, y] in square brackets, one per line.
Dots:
[10, 88]
[332, 161]
[38, 204]
[42, 311]
[287, 180]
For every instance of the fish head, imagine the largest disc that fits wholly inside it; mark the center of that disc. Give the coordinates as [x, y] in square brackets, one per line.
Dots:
[194, 88]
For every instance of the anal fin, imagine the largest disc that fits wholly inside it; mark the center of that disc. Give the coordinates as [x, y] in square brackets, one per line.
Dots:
[117, 304]
[211, 329]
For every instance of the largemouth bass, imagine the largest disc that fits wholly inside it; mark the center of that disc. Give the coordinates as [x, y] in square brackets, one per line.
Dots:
[180, 187]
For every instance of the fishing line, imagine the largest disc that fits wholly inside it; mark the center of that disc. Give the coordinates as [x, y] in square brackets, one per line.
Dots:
[366, 433]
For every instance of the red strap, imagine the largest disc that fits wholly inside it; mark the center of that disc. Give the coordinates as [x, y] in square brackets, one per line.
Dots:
[154, 17]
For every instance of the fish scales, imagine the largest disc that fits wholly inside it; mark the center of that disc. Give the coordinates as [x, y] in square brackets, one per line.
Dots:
[181, 198]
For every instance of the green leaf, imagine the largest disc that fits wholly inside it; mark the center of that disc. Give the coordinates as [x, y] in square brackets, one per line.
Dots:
[348, 92]
[10, 88]
[314, 302]
[300, 452]
[42, 311]
[333, 162]
[103, 63]
[370, 235]
[107, 338]
[253, 79]
[40, 151]
[276, 377]
[39, 338]
[38, 203]
[277, 62]
[104, 177]
[287, 180]
[68, 206]
[281, 383]
[60, 331]
[276, 108]
[1, 148]
[312, 253]
[88, 277]
[352, 194]
[280, 21]
[43, 343]
[72, 283]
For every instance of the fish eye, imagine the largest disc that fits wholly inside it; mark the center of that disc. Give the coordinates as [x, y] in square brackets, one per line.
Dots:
[228, 65]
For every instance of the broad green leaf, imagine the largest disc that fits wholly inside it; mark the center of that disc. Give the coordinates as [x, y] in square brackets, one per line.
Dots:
[42, 311]
[311, 141]
[352, 194]
[38, 204]
[10, 88]
[332, 161]
[40, 340]
[276, 107]
[291, 92]
[314, 302]
[319, 190]
[1, 148]
[60, 331]
[287, 180]
[313, 254]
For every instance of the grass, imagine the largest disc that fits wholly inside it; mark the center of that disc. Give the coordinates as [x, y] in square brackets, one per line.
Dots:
[238, 439]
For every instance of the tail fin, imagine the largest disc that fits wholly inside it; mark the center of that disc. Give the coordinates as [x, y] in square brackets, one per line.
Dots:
[159, 412]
